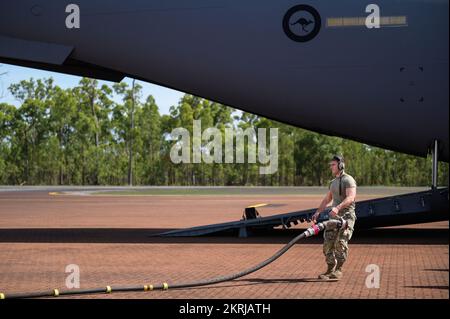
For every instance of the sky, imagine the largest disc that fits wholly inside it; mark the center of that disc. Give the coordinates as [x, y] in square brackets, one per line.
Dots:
[164, 97]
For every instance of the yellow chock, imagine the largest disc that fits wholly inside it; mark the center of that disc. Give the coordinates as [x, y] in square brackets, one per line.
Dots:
[2, 296]
[165, 286]
[55, 292]
[108, 289]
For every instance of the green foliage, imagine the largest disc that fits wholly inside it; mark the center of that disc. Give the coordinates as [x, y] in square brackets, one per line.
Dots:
[80, 136]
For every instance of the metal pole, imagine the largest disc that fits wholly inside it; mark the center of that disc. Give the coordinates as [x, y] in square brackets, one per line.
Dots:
[435, 165]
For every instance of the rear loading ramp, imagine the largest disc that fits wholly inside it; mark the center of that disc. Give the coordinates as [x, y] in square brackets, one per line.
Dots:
[426, 206]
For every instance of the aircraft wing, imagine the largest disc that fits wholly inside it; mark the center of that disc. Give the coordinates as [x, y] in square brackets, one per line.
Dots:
[316, 65]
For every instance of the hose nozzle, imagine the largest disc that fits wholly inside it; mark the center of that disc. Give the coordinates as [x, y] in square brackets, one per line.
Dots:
[330, 224]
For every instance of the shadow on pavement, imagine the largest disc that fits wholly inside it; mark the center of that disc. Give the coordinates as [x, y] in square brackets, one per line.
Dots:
[413, 236]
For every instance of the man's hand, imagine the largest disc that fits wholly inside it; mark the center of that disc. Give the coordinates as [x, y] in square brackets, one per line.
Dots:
[315, 216]
[333, 213]
[325, 201]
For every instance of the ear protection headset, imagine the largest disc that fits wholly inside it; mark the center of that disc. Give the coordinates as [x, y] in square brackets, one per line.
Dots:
[340, 161]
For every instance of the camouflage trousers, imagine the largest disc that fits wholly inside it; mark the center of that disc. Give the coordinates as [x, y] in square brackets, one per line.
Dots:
[335, 245]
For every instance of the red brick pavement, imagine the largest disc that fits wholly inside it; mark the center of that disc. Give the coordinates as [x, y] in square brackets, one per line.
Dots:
[417, 267]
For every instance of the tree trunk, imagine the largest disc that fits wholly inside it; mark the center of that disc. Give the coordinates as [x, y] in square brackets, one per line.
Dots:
[27, 160]
[130, 158]
[96, 135]
[61, 178]
[83, 171]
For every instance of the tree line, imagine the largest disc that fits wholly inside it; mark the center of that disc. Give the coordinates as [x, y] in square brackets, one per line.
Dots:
[82, 136]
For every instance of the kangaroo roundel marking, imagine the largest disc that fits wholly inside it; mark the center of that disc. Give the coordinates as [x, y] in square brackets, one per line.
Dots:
[302, 23]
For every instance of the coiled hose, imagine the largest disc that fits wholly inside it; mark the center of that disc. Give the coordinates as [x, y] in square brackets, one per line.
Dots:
[311, 231]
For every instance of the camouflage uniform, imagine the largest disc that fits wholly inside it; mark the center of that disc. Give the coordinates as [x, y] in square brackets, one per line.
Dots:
[335, 245]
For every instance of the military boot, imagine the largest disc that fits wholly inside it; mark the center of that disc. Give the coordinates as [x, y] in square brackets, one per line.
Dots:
[337, 273]
[326, 275]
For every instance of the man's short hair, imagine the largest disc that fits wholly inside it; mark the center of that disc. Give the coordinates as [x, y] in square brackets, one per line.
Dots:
[338, 158]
